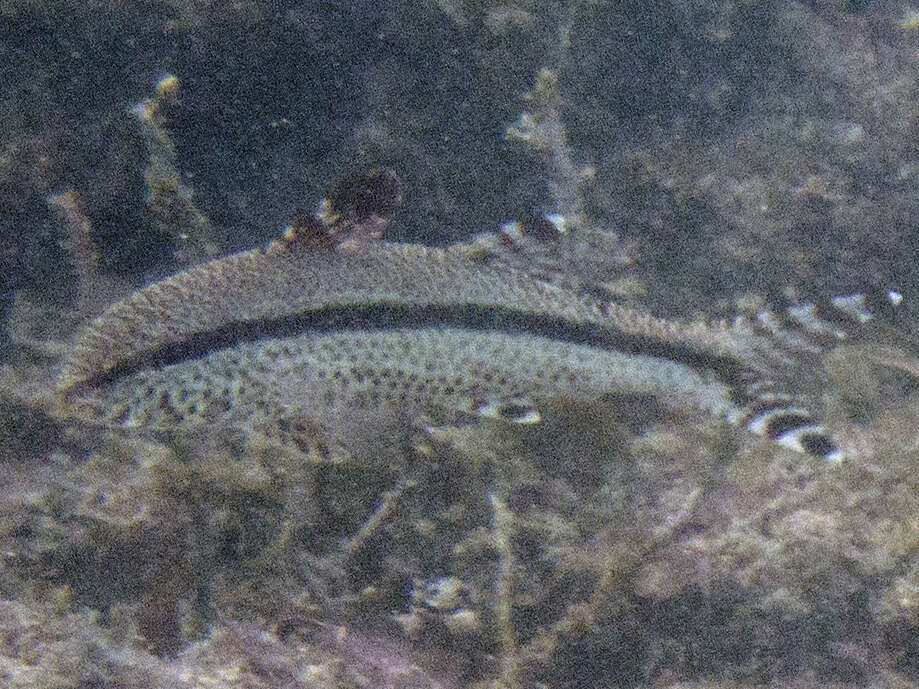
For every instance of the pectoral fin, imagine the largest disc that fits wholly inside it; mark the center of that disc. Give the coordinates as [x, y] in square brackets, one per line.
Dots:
[517, 410]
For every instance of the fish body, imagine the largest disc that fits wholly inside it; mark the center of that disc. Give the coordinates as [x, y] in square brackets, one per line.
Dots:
[299, 330]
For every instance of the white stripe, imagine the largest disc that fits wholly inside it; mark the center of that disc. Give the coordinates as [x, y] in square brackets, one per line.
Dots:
[792, 438]
[558, 220]
[760, 424]
[512, 230]
[806, 316]
[852, 305]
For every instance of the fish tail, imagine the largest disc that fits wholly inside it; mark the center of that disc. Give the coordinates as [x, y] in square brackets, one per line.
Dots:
[801, 332]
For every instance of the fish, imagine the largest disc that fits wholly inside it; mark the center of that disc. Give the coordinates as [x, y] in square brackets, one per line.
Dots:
[331, 318]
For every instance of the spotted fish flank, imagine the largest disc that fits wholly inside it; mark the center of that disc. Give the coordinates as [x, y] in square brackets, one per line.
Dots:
[303, 328]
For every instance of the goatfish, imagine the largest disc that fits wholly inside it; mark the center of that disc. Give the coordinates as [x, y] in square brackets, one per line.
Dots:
[327, 319]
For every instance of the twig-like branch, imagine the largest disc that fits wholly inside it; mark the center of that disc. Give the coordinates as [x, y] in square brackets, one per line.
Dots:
[541, 127]
[502, 526]
[375, 520]
[168, 197]
[78, 241]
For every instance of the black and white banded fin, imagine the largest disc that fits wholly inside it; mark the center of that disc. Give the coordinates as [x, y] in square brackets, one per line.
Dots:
[533, 245]
[807, 329]
[548, 248]
[796, 429]
[776, 414]
[514, 411]
[810, 325]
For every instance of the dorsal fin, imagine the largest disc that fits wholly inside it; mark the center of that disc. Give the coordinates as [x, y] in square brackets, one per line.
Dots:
[356, 213]
[581, 260]
[816, 324]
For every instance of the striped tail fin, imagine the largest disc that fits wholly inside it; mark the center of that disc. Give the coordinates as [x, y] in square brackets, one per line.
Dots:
[778, 416]
[809, 328]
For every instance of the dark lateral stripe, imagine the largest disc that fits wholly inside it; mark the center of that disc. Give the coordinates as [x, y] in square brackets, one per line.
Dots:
[388, 316]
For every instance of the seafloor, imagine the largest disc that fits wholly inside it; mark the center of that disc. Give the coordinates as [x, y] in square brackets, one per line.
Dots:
[711, 153]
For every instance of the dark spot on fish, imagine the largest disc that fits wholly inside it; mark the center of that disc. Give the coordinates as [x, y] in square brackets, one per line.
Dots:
[783, 423]
[513, 412]
[817, 444]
